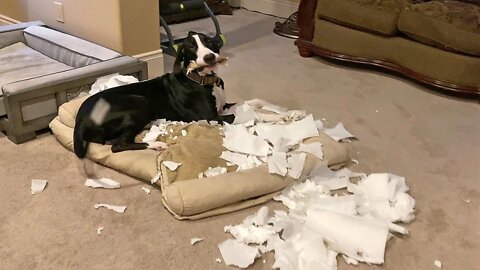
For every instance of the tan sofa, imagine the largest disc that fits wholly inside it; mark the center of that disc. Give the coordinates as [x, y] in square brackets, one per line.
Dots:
[435, 42]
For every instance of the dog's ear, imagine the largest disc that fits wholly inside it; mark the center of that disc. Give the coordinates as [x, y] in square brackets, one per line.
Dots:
[177, 67]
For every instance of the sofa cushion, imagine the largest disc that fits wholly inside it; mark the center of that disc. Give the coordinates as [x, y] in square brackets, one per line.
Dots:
[377, 16]
[19, 62]
[450, 25]
[65, 48]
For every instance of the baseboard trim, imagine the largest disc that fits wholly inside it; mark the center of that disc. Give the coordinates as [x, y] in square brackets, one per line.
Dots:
[154, 61]
[280, 8]
[7, 20]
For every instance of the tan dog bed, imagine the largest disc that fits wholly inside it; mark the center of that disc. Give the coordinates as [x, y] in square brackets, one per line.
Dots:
[183, 193]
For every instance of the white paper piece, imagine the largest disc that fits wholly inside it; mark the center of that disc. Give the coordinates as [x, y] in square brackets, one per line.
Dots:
[277, 163]
[156, 178]
[295, 165]
[215, 171]
[237, 139]
[184, 132]
[100, 111]
[339, 204]
[195, 240]
[319, 125]
[261, 104]
[274, 113]
[235, 158]
[110, 81]
[158, 146]
[237, 253]
[102, 183]
[290, 134]
[244, 113]
[258, 219]
[253, 229]
[355, 161]
[218, 260]
[38, 186]
[312, 148]
[339, 132]
[156, 130]
[304, 251]
[383, 196]
[250, 234]
[397, 228]
[341, 232]
[146, 190]
[99, 230]
[171, 165]
[437, 263]
[116, 208]
[100, 83]
[349, 260]
[333, 179]
[280, 221]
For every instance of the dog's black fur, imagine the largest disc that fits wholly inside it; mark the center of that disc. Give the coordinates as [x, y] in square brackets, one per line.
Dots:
[172, 96]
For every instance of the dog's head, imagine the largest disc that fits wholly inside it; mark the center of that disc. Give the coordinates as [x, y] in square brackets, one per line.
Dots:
[200, 50]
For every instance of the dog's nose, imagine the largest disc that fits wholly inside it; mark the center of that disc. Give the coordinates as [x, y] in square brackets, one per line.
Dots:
[210, 59]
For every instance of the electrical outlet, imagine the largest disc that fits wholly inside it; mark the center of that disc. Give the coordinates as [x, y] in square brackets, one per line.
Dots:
[59, 9]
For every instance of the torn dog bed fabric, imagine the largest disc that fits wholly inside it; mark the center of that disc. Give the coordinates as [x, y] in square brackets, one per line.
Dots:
[198, 176]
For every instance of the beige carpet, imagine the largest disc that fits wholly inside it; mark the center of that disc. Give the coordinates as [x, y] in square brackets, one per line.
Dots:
[403, 128]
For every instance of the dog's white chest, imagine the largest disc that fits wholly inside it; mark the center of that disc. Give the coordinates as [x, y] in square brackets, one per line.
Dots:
[219, 95]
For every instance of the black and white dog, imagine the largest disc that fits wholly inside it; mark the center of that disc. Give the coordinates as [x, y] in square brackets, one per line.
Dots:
[192, 92]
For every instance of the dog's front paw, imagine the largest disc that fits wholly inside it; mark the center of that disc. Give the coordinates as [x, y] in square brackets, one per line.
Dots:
[158, 146]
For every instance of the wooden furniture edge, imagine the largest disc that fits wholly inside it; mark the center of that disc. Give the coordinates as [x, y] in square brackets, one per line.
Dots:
[306, 19]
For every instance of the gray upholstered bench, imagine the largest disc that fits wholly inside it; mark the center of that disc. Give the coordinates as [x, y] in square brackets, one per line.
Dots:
[41, 68]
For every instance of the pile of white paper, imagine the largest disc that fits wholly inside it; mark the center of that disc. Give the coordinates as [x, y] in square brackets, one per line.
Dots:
[263, 133]
[319, 226]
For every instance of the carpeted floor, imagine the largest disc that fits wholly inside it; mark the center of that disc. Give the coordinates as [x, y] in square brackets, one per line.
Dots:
[403, 128]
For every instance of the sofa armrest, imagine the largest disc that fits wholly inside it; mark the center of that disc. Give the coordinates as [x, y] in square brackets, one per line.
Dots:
[66, 48]
[13, 33]
[79, 76]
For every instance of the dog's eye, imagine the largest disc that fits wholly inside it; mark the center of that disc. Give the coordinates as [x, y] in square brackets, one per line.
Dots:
[192, 46]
